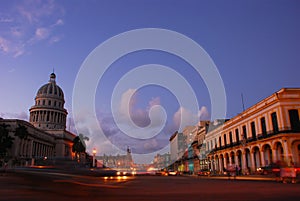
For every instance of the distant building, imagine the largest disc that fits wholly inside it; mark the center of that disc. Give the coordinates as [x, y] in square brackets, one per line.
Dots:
[118, 161]
[177, 146]
[162, 161]
[47, 135]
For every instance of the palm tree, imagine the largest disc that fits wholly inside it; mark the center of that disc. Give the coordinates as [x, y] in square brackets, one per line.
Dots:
[79, 145]
[6, 142]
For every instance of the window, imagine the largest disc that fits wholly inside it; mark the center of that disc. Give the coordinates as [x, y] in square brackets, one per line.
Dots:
[263, 126]
[294, 120]
[225, 141]
[244, 132]
[274, 122]
[253, 131]
[49, 102]
[43, 102]
[230, 137]
[237, 137]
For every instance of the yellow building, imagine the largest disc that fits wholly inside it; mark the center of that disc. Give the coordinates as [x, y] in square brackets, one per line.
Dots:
[267, 132]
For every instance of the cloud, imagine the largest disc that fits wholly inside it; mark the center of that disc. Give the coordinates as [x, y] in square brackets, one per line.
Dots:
[114, 141]
[42, 33]
[8, 47]
[6, 20]
[184, 117]
[59, 22]
[4, 45]
[129, 113]
[55, 39]
[29, 23]
[203, 113]
[21, 115]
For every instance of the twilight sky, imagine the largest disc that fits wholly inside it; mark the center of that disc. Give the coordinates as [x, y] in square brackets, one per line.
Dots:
[254, 45]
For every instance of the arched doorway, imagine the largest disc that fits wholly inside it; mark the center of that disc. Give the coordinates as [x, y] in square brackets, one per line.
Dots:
[296, 153]
[226, 160]
[221, 165]
[248, 161]
[256, 155]
[267, 152]
[232, 157]
[217, 163]
[279, 154]
[239, 158]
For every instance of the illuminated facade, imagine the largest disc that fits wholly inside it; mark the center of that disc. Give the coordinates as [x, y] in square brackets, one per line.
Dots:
[118, 161]
[267, 132]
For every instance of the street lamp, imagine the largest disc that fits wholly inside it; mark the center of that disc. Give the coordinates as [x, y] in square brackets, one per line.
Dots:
[94, 156]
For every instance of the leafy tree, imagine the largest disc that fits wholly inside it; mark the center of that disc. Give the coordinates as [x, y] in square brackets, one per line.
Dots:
[6, 141]
[21, 132]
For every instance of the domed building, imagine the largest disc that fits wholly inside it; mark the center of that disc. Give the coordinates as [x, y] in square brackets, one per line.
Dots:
[49, 113]
[46, 135]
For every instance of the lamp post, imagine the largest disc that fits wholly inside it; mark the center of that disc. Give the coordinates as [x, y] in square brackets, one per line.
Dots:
[94, 156]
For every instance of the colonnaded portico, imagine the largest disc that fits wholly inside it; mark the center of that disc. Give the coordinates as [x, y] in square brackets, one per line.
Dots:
[255, 155]
[268, 132]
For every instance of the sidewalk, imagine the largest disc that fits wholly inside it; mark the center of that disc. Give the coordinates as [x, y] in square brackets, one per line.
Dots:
[270, 178]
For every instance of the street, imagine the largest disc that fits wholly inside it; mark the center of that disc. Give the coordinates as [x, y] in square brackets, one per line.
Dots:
[42, 185]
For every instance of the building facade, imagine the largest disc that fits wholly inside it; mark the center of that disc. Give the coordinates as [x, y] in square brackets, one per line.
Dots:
[162, 161]
[118, 161]
[268, 132]
[46, 134]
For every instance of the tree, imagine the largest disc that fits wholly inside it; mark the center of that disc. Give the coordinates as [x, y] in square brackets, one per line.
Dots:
[21, 132]
[79, 145]
[6, 142]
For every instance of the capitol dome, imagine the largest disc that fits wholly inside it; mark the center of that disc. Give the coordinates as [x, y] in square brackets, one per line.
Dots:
[49, 113]
[51, 89]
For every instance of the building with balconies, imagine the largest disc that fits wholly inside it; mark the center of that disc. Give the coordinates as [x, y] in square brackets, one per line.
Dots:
[268, 132]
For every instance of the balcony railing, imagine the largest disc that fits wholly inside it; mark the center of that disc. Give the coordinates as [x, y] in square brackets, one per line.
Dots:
[257, 137]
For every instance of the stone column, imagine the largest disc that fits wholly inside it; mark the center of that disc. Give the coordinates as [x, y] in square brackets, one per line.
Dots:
[274, 153]
[220, 164]
[287, 153]
[252, 167]
[262, 158]
[30, 149]
[244, 165]
[230, 160]
[236, 159]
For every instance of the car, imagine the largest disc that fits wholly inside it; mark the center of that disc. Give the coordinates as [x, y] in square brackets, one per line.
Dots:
[161, 173]
[204, 172]
[172, 172]
[269, 169]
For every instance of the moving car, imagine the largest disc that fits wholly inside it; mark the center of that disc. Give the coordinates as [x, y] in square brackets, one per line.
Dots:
[204, 172]
[172, 172]
[269, 169]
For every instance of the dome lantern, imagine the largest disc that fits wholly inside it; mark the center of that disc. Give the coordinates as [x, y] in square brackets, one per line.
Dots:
[52, 77]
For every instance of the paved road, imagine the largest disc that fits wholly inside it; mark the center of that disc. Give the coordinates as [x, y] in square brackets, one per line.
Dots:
[60, 186]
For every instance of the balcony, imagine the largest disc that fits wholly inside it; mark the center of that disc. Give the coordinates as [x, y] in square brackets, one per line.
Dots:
[257, 138]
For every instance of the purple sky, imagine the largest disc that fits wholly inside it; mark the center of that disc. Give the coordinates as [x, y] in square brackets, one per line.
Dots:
[255, 46]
